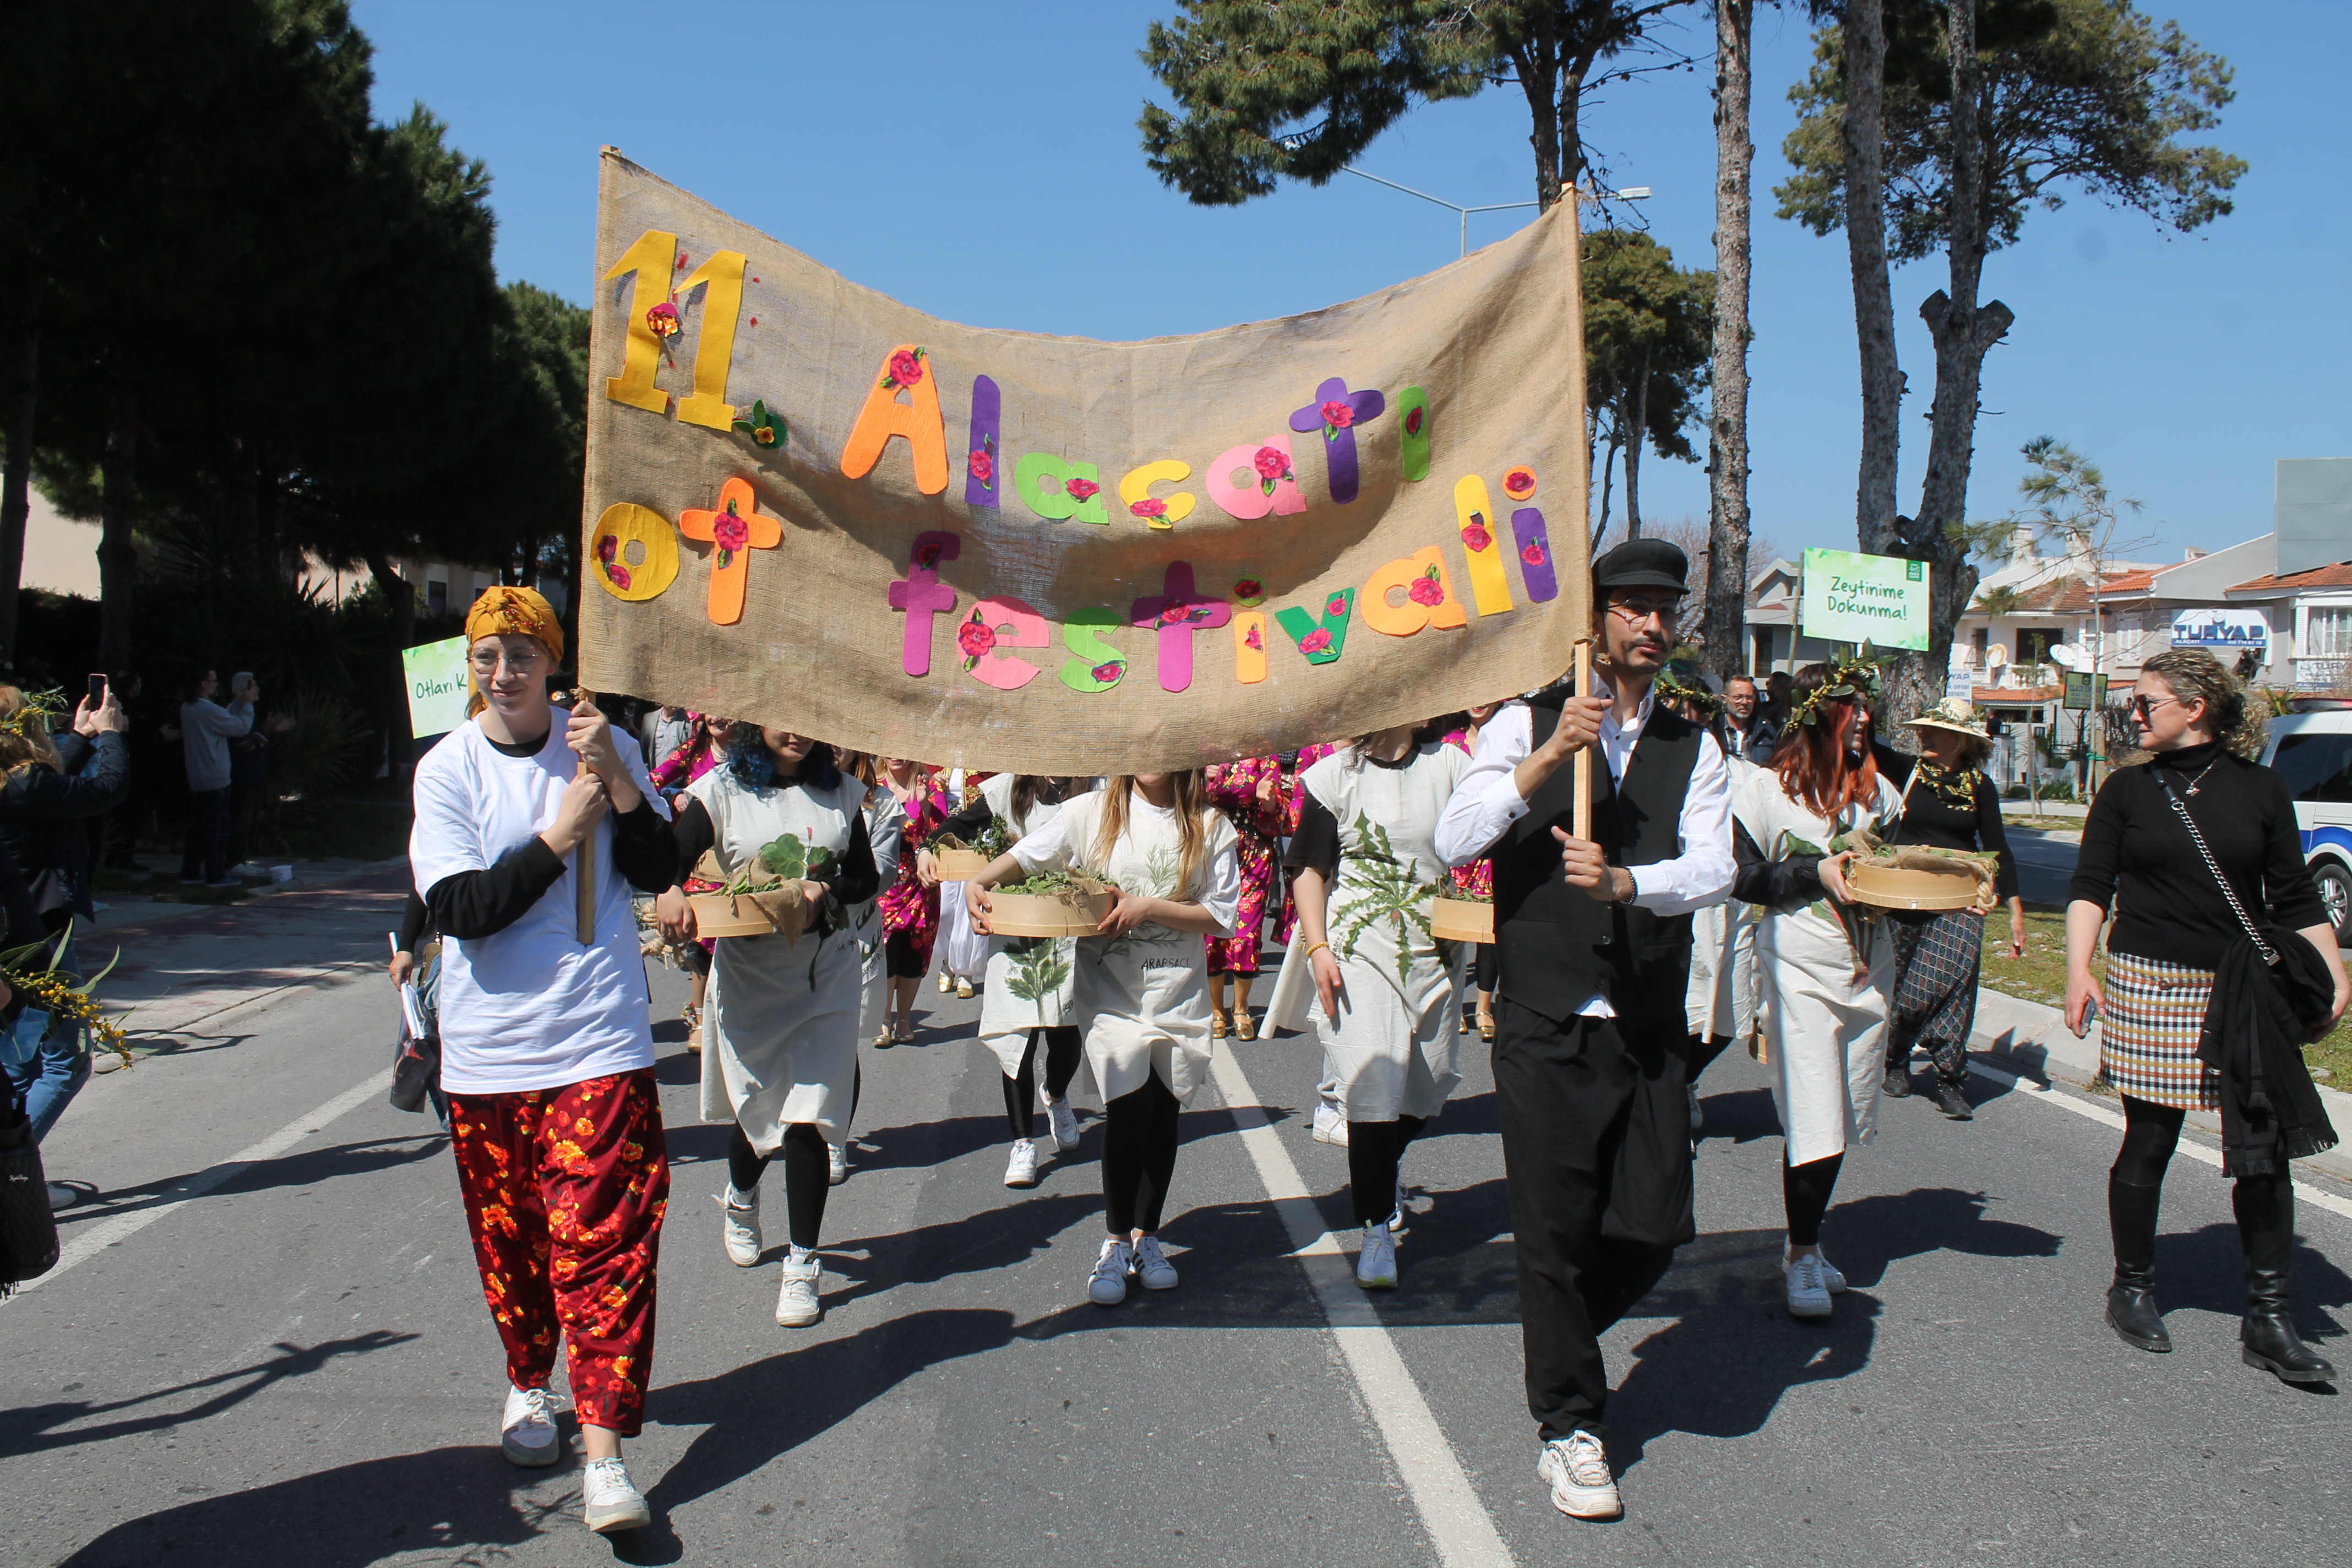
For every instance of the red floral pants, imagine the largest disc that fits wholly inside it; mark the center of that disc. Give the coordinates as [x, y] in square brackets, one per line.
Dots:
[564, 1191]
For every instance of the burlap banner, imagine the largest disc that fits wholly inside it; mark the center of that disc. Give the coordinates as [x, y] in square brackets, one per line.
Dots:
[812, 506]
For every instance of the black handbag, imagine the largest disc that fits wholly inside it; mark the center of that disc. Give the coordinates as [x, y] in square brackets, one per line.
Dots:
[28, 1230]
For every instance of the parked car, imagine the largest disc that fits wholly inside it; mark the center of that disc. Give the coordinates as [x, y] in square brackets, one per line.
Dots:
[2311, 750]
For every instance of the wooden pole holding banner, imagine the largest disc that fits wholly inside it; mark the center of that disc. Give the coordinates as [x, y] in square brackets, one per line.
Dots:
[1582, 819]
[584, 866]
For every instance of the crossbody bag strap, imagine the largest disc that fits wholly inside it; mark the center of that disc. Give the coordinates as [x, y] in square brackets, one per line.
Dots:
[2269, 956]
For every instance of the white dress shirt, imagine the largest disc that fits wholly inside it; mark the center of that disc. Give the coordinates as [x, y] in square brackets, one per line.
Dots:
[1488, 801]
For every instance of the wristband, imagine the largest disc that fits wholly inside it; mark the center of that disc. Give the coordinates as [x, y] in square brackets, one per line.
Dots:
[1318, 947]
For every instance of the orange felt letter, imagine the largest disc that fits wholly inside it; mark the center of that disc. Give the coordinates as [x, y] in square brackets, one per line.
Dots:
[1428, 596]
[734, 528]
[907, 369]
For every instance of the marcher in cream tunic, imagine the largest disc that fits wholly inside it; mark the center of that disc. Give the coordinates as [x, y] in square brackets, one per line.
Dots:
[1030, 980]
[1142, 998]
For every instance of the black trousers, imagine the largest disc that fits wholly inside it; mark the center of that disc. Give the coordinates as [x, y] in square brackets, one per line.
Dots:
[1596, 1158]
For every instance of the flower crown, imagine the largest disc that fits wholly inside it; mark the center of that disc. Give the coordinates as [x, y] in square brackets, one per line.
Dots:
[1672, 688]
[1852, 675]
[35, 708]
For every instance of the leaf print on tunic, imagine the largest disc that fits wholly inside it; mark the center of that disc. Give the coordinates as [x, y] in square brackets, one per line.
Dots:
[1388, 893]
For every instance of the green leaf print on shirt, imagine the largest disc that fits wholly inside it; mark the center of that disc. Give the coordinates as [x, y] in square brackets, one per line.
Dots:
[1159, 881]
[1383, 888]
[1038, 969]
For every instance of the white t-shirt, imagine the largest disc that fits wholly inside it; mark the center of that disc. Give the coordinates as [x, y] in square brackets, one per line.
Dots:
[528, 1007]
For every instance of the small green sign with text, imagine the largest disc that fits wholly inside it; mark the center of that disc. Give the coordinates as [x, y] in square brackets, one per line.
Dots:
[437, 697]
[1880, 600]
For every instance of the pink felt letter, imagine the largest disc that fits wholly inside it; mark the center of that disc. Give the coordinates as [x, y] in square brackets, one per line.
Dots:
[923, 596]
[1252, 480]
[1177, 614]
[1002, 623]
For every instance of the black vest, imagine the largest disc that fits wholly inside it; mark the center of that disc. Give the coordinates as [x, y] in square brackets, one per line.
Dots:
[1557, 945]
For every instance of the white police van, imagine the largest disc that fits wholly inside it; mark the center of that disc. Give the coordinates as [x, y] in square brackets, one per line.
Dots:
[2313, 751]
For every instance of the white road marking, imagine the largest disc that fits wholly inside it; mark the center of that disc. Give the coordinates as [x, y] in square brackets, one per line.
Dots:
[2097, 1112]
[1457, 1522]
[121, 1227]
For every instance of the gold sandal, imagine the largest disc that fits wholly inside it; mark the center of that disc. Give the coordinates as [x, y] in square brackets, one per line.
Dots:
[693, 1016]
[1486, 1027]
[1244, 1023]
[1216, 1023]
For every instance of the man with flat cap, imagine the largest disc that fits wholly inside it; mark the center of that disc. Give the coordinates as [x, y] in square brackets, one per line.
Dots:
[1594, 941]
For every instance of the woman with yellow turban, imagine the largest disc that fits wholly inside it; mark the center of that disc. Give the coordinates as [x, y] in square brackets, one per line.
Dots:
[546, 1050]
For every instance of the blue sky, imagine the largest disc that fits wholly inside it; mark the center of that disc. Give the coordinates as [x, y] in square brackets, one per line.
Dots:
[981, 162]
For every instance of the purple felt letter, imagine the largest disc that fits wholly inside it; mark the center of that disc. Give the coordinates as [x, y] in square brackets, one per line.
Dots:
[982, 480]
[1535, 554]
[1324, 416]
[1176, 614]
[922, 595]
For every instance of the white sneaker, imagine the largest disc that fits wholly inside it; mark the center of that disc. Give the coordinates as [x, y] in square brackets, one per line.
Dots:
[1152, 1271]
[1697, 1114]
[1021, 1171]
[1576, 1467]
[1376, 1264]
[608, 1499]
[1065, 1124]
[527, 1428]
[1400, 1216]
[1331, 1127]
[740, 1230]
[796, 1305]
[1108, 1286]
[1808, 1293]
[1830, 1277]
[837, 1165]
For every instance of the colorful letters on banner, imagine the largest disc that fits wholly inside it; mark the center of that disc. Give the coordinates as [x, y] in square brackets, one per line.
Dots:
[1065, 491]
[1158, 511]
[636, 552]
[1474, 514]
[1176, 614]
[980, 480]
[923, 596]
[1097, 666]
[1252, 480]
[997, 625]
[1424, 597]
[918, 420]
[1335, 414]
[733, 529]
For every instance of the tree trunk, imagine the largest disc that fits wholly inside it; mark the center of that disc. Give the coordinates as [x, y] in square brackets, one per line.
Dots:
[1963, 333]
[16, 483]
[1608, 473]
[402, 596]
[1727, 458]
[1532, 64]
[1637, 409]
[1873, 298]
[117, 560]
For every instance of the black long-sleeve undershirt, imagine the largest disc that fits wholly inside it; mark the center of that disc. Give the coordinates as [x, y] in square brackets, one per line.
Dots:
[471, 905]
[1785, 884]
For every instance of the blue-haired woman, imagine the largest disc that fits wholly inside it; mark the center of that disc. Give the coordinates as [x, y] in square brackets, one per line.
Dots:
[780, 1030]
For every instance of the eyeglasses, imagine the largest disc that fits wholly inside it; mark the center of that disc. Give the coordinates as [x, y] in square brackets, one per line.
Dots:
[485, 667]
[1636, 611]
[2143, 707]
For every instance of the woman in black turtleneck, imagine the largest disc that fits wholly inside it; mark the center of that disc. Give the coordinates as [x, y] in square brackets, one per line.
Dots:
[2173, 924]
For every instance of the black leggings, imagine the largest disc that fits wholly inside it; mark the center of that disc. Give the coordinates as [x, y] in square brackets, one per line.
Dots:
[901, 959]
[1139, 1157]
[1486, 967]
[1061, 1066]
[2151, 1132]
[808, 1176]
[1374, 1150]
[1805, 1192]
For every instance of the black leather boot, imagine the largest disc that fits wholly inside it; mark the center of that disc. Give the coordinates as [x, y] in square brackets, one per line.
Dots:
[2131, 1299]
[2265, 1208]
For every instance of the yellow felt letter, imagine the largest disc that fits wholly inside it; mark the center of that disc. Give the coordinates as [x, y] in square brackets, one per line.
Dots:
[1135, 491]
[722, 278]
[1428, 597]
[1490, 585]
[1249, 646]
[651, 259]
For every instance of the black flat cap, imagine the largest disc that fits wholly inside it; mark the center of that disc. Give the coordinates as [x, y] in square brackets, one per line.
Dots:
[1642, 564]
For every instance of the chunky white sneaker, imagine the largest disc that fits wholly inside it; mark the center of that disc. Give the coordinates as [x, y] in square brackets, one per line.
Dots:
[527, 1428]
[1376, 1264]
[1065, 1122]
[1152, 1271]
[1698, 1113]
[1108, 1286]
[1331, 1127]
[1021, 1171]
[609, 1501]
[1576, 1467]
[1808, 1293]
[1832, 1280]
[740, 1230]
[837, 1165]
[796, 1304]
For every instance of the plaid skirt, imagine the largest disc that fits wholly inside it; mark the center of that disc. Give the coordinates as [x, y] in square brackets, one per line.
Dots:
[2147, 1039]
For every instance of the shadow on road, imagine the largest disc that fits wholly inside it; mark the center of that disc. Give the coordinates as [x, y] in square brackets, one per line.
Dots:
[303, 1170]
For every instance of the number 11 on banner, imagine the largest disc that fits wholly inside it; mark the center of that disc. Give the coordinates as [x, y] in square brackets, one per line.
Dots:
[651, 260]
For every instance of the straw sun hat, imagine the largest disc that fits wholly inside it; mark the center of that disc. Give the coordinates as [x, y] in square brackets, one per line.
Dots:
[1955, 714]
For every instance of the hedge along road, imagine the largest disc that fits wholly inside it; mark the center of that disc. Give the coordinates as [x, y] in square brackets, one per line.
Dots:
[296, 1366]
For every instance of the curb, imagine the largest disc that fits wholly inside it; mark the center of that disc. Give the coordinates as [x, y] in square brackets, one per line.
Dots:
[2032, 1039]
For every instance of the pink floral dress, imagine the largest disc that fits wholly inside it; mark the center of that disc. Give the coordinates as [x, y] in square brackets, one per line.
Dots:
[1478, 877]
[1233, 789]
[906, 904]
[1307, 757]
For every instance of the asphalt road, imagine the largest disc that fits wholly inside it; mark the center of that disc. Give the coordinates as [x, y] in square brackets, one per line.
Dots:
[2044, 866]
[294, 1366]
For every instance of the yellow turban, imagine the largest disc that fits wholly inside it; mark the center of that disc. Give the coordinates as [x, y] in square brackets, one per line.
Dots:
[512, 612]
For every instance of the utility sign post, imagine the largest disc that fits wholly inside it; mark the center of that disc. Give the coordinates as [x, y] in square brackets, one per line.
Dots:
[1880, 600]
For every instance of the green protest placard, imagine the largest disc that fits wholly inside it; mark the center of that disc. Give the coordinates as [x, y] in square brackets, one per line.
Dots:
[435, 673]
[1880, 600]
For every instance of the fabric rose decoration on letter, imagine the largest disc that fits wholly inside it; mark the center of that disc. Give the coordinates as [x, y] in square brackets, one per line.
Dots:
[976, 638]
[1337, 417]
[906, 368]
[1425, 589]
[1273, 467]
[1081, 490]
